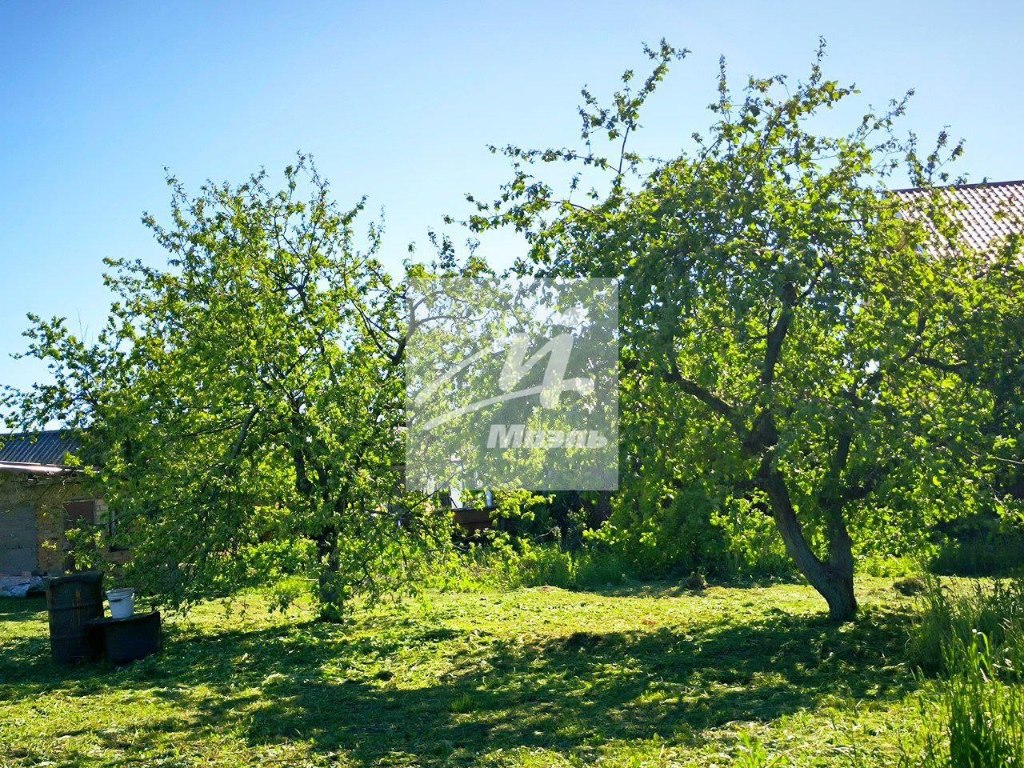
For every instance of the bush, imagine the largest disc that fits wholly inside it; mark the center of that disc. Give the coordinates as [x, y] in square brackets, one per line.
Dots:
[507, 563]
[952, 618]
[751, 545]
[657, 533]
[657, 536]
[991, 552]
[891, 567]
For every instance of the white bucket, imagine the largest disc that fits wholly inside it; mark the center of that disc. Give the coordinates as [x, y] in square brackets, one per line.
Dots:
[122, 603]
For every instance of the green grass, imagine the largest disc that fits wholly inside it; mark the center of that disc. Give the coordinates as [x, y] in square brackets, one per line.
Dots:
[981, 712]
[652, 675]
[973, 635]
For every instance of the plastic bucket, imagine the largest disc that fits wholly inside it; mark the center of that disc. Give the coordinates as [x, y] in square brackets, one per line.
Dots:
[122, 603]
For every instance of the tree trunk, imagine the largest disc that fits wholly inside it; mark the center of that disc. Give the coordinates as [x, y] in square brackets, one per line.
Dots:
[330, 599]
[840, 564]
[832, 579]
[330, 594]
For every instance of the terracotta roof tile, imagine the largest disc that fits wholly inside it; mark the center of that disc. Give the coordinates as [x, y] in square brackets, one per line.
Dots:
[989, 211]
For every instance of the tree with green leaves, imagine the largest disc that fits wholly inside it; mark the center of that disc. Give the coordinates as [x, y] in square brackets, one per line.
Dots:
[789, 320]
[242, 409]
[991, 355]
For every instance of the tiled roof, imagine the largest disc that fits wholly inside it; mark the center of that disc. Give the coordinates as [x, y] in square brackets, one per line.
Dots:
[49, 447]
[988, 211]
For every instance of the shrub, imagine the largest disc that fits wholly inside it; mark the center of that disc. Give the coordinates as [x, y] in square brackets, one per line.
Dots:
[986, 551]
[892, 567]
[507, 563]
[658, 532]
[751, 545]
[952, 617]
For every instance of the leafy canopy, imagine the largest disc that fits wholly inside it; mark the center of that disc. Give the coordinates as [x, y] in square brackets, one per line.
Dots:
[242, 408]
[788, 325]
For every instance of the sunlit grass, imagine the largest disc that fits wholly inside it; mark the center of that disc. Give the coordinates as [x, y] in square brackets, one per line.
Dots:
[646, 675]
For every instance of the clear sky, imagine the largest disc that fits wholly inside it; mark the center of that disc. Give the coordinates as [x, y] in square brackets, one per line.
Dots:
[397, 101]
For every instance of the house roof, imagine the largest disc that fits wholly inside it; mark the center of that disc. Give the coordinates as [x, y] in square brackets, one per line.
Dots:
[987, 212]
[36, 452]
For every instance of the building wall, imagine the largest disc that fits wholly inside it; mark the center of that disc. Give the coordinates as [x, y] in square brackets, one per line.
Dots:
[18, 539]
[47, 497]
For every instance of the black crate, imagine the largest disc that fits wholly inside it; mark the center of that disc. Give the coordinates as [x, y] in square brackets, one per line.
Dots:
[126, 640]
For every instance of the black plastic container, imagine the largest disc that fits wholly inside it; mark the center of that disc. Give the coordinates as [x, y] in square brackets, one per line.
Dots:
[73, 603]
[129, 639]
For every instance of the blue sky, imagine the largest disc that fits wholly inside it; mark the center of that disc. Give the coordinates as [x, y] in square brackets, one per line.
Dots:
[398, 101]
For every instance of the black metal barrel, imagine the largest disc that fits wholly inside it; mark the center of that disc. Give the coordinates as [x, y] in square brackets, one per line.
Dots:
[72, 602]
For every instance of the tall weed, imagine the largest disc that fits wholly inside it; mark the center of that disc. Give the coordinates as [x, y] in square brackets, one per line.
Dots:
[982, 706]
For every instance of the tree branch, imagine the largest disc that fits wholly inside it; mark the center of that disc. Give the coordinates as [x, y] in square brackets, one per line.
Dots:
[723, 408]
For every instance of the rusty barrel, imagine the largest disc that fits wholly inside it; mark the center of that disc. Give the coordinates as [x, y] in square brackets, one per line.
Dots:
[72, 602]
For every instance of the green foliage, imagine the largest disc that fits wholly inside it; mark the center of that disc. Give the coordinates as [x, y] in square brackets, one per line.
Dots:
[752, 546]
[242, 408]
[512, 563]
[658, 532]
[88, 548]
[981, 546]
[992, 355]
[660, 536]
[892, 567]
[782, 316]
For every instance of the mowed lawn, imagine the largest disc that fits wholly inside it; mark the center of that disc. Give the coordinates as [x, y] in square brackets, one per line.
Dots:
[652, 675]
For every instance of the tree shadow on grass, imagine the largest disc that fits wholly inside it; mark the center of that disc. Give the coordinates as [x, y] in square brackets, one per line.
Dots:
[591, 688]
[21, 608]
[582, 690]
[334, 691]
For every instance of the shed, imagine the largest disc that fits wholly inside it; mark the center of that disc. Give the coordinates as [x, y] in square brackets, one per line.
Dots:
[42, 497]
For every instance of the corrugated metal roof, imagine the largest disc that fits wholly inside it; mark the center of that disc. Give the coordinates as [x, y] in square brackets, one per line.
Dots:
[989, 211]
[49, 447]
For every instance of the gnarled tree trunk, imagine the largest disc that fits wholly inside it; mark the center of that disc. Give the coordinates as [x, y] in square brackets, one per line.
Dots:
[832, 578]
